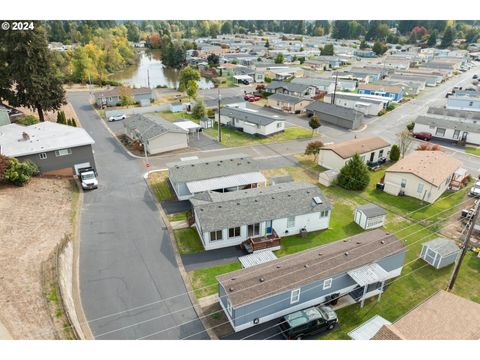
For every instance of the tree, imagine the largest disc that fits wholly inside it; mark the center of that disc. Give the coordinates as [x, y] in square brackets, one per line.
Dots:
[226, 27]
[61, 118]
[395, 153]
[4, 164]
[363, 45]
[404, 141]
[267, 44]
[354, 174]
[410, 126]
[432, 39]
[213, 60]
[448, 37]
[133, 32]
[199, 111]
[328, 50]
[379, 48]
[313, 148]
[19, 173]
[314, 123]
[428, 147]
[187, 81]
[279, 58]
[125, 96]
[27, 75]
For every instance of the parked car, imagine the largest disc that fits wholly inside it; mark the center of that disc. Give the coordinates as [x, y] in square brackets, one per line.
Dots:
[88, 178]
[117, 117]
[475, 190]
[251, 98]
[475, 76]
[308, 322]
[426, 136]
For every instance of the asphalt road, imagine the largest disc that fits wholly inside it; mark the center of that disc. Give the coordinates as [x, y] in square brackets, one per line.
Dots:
[126, 257]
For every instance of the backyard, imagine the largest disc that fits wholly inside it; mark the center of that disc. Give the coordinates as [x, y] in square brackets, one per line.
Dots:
[160, 185]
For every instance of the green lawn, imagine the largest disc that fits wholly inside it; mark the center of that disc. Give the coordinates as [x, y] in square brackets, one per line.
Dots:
[169, 116]
[177, 217]
[160, 185]
[203, 280]
[188, 241]
[472, 150]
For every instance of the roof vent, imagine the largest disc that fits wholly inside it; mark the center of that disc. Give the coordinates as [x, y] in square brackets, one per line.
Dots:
[346, 253]
[320, 254]
[382, 242]
[219, 206]
[306, 266]
[278, 266]
[262, 279]
[317, 200]
[359, 242]
[231, 289]
[233, 278]
[218, 164]
[25, 136]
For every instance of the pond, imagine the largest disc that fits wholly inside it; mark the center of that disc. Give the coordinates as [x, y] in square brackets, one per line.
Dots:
[150, 69]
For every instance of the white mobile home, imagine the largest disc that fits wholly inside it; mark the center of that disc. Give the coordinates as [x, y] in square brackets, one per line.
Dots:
[251, 121]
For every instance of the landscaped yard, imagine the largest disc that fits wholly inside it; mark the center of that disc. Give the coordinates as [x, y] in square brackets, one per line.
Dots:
[204, 282]
[472, 150]
[177, 217]
[160, 185]
[188, 241]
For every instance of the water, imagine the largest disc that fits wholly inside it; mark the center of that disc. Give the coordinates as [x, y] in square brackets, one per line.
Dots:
[150, 65]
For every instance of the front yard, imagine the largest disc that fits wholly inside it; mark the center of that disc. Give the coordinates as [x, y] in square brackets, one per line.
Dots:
[158, 182]
[188, 241]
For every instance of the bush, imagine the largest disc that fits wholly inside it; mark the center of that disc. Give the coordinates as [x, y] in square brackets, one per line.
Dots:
[354, 175]
[19, 173]
[390, 107]
[410, 126]
[198, 110]
[382, 112]
[395, 153]
[27, 120]
[61, 118]
[211, 113]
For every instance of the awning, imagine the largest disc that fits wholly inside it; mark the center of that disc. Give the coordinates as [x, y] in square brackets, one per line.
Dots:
[368, 274]
[225, 182]
[369, 328]
[187, 125]
[259, 257]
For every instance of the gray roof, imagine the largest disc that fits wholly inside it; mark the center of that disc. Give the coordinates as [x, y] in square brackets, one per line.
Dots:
[365, 99]
[225, 101]
[464, 114]
[280, 179]
[4, 117]
[334, 110]
[309, 266]
[211, 167]
[216, 211]
[251, 116]
[317, 82]
[150, 126]
[286, 98]
[290, 86]
[442, 246]
[457, 124]
[372, 210]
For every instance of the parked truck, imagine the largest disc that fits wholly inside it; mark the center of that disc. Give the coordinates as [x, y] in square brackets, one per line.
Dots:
[88, 178]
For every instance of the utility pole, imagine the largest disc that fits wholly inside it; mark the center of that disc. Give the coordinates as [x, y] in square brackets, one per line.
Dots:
[219, 122]
[148, 78]
[335, 88]
[466, 243]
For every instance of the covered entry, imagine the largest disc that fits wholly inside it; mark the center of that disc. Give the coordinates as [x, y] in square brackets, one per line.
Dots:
[370, 280]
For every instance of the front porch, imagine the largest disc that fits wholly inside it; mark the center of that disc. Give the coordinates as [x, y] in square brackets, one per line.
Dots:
[269, 241]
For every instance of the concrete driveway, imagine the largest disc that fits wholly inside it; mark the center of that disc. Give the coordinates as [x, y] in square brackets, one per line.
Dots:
[130, 285]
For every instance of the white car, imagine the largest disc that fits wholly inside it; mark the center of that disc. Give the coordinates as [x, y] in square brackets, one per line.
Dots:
[475, 189]
[117, 117]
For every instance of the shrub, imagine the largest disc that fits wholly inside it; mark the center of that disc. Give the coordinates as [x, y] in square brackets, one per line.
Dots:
[211, 113]
[27, 120]
[390, 107]
[382, 112]
[410, 126]
[19, 173]
[395, 153]
[354, 175]
[61, 118]
[4, 164]
[198, 110]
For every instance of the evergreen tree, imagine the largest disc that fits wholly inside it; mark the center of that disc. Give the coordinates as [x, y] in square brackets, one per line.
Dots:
[448, 37]
[61, 118]
[432, 39]
[27, 74]
[314, 123]
[354, 175]
[395, 153]
[279, 59]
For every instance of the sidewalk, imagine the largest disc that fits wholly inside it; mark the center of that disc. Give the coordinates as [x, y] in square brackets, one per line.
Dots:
[4, 334]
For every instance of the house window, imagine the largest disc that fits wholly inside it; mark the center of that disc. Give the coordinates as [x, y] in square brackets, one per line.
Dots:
[420, 188]
[43, 156]
[440, 132]
[229, 307]
[295, 296]
[470, 103]
[216, 235]
[279, 125]
[254, 229]
[380, 153]
[234, 232]
[290, 221]
[324, 213]
[403, 184]
[327, 284]
[63, 152]
[456, 134]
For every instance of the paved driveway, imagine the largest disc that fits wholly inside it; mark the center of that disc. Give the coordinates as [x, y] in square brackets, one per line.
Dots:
[126, 258]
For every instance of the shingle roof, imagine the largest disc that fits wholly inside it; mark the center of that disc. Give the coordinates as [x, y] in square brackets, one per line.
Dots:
[462, 114]
[432, 166]
[116, 91]
[225, 101]
[372, 210]
[151, 126]
[347, 149]
[251, 116]
[378, 87]
[290, 86]
[306, 267]
[17, 140]
[442, 246]
[443, 316]
[286, 98]
[211, 167]
[334, 110]
[216, 211]
[458, 124]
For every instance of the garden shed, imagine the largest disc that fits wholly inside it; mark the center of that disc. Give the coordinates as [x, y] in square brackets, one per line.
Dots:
[370, 216]
[328, 177]
[440, 252]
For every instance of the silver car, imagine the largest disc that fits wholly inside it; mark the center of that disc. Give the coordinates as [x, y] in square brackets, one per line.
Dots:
[117, 117]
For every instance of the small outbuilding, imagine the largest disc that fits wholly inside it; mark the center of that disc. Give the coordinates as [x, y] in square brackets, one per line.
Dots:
[206, 123]
[280, 179]
[440, 252]
[328, 177]
[370, 216]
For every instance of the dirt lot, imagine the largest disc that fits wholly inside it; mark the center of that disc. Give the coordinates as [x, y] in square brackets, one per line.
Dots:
[52, 115]
[33, 220]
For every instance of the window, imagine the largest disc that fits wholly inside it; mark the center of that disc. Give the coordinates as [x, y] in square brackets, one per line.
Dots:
[290, 221]
[380, 153]
[279, 125]
[470, 103]
[456, 134]
[254, 229]
[234, 232]
[403, 184]
[295, 296]
[327, 284]
[229, 307]
[216, 235]
[43, 156]
[419, 188]
[324, 213]
[63, 152]
[440, 132]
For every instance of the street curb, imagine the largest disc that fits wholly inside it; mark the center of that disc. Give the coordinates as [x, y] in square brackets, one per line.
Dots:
[84, 332]
[178, 259]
